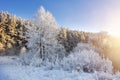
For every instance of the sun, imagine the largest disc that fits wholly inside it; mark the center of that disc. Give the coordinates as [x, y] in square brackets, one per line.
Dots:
[113, 27]
[112, 22]
[115, 32]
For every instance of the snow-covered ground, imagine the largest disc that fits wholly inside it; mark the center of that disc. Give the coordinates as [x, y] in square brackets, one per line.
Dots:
[10, 69]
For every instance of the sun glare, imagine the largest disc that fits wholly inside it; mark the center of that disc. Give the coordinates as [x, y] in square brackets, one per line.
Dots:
[112, 22]
[114, 26]
[115, 33]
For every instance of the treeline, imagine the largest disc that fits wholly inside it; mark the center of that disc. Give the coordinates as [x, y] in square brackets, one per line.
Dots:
[12, 38]
[12, 31]
[70, 38]
[12, 35]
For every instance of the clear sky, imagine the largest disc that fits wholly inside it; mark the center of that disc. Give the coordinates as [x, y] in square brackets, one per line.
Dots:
[86, 15]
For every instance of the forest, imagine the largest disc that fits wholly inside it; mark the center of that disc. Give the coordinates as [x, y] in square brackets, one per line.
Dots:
[40, 41]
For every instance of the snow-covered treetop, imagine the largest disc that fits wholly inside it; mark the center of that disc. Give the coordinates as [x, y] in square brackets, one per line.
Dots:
[43, 16]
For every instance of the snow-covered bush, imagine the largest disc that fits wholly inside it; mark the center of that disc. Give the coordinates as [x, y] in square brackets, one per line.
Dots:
[42, 40]
[84, 58]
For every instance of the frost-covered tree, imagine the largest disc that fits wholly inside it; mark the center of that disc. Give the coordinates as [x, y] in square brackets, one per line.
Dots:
[42, 42]
[84, 58]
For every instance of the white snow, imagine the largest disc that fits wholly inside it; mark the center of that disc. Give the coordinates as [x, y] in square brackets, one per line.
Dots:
[10, 69]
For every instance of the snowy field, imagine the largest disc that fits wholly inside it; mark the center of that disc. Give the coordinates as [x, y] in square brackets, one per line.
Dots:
[10, 69]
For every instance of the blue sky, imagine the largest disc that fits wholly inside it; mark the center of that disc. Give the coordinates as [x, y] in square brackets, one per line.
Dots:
[86, 15]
